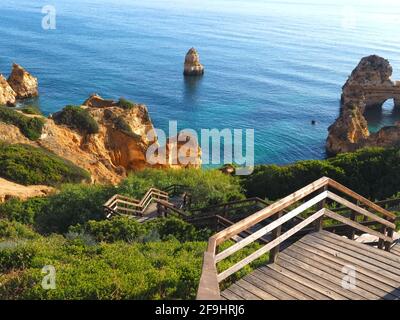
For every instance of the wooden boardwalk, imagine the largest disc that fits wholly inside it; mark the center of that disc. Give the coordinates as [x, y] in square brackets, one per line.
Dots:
[313, 268]
[306, 261]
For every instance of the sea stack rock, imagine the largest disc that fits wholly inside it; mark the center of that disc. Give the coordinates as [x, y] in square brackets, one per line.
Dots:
[192, 66]
[368, 86]
[7, 94]
[23, 83]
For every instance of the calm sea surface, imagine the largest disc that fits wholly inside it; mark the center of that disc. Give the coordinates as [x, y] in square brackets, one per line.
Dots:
[270, 65]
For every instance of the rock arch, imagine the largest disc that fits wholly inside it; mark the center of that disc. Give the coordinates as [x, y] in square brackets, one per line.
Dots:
[369, 86]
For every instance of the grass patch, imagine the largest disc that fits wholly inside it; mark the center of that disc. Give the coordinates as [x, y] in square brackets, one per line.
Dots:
[29, 127]
[77, 118]
[28, 165]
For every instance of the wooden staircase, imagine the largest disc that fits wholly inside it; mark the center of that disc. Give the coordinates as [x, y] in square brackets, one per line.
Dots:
[309, 206]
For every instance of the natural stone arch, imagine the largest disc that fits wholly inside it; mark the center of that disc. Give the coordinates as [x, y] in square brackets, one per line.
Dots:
[368, 86]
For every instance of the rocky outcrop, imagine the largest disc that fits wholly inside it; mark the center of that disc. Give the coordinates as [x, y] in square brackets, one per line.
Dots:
[7, 94]
[369, 86]
[10, 189]
[120, 146]
[192, 66]
[23, 83]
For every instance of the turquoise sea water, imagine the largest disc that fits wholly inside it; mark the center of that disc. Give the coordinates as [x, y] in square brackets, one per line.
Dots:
[270, 65]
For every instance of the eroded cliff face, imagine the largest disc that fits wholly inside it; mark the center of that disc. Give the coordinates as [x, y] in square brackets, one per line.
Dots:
[119, 147]
[23, 83]
[19, 85]
[369, 86]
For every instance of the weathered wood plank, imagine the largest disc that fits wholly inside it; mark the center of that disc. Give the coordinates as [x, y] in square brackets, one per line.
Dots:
[335, 264]
[360, 210]
[263, 231]
[257, 254]
[255, 290]
[242, 292]
[363, 200]
[358, 253]
[270, 210]
[363, 247]
[229, 295]
[265, 286]
[362, 288]
[307, 282]
[316, 242]
[282, 286]
[312, 294]
[356, 225]
[317, 276]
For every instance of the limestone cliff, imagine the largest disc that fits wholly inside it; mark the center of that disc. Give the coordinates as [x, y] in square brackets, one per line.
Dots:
[368, 86]
[119, 146]
[23, 83]
[7, 94]
[192, 66]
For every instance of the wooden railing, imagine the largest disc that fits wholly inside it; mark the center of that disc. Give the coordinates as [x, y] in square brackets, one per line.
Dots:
[315, 195]
[118, 204]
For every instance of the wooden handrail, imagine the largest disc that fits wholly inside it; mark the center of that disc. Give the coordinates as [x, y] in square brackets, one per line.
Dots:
[136, 207]
[321, 186]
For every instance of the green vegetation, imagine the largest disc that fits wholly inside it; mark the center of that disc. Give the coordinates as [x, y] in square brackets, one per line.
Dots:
[121, 124]
[77, 118]
[119, 258]
[30, 127]
[372, 172]
[33, 110]
[28, 165]
[126, 104]
[107, 259]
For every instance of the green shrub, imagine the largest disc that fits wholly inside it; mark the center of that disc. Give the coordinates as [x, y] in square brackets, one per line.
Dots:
[29, 127]
[74, 204]
[126, 104]
[156, 270]
[77, 118]
[122, 125]
[129, 230]
[372, 172]
[28, 165]
[115, 229]
[15, 230]
[33, 110]
[22, 211]
[14, 255]
[207, 187]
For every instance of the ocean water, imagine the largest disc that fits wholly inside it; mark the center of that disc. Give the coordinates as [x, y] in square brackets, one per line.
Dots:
[270, 65]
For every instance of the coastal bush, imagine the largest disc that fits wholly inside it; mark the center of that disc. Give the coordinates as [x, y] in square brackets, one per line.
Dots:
[121, 124]
[15, 255]
[126, 104]
[372, 172]
[74, 204]
[33, 110]
[154, 270]
[207, 187]
[29, 165]
[15, 230]
[77, 118]
[30, 127]
[22, 211]
[129, 230]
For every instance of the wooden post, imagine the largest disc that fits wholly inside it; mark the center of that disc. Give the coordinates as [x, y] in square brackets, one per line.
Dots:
[273, 254]
[321, 205]
[381, 242]
[390, 234]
